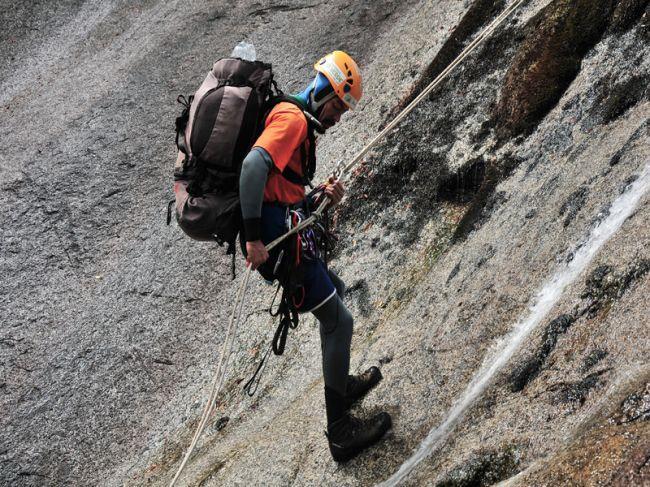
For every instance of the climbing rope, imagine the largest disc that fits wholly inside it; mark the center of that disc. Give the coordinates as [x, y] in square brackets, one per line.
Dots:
[220, 374]
[340, 171]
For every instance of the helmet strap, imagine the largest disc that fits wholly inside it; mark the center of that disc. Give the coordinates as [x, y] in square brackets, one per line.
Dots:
[317, 105]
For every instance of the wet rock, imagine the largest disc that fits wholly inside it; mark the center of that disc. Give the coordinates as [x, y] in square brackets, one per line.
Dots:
[627, 182]
[489, 253]
[608, 449]
[127, 416]
[616, 97]
[626, 13]
[527, 372]
[604, 285]
[635, 407]
[616, 158]
[221, 423]
[599, 281]
[494, 201]
[385, 359]
[548, 60]
[639, 134]
[453, 273]
[485, 199]
[462, 185]
[409, 173]
[358, 290]
[573, 204]
[478, 14]
[531, 213]
[484, 468]
[593, 358]
[576, 392]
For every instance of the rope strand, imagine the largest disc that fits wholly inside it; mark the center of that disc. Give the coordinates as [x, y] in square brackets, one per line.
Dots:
[435, 83]
[220, 374]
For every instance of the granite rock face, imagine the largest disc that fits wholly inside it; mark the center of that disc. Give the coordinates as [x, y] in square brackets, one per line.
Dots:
[113, 322]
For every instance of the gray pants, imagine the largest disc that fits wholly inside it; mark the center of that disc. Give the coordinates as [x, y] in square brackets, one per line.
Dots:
[335, 337]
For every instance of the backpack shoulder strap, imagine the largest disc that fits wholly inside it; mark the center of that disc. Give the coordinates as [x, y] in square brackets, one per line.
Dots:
[308, 157]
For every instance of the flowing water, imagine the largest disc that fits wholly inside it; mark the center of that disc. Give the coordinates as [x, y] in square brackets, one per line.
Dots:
[545, 299]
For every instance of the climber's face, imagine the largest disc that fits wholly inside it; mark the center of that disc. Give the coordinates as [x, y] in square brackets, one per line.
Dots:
[331, 112]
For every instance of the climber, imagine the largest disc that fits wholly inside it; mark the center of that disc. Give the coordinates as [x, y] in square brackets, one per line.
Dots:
[272, 194]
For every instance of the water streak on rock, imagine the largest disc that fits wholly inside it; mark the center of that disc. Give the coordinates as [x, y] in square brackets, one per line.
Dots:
[547, 297]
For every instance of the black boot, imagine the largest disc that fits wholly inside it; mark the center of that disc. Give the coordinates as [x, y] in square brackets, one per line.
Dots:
[359, 385]
[350, 436]
[347, 435]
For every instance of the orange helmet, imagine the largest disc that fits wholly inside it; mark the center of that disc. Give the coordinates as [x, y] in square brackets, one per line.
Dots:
[344, 76]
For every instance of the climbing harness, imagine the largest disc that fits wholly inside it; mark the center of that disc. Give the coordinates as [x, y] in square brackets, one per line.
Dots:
[340, 171]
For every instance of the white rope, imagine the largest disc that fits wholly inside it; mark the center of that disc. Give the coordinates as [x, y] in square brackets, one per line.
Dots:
[220, 374]
[338, 172]
[434, 84]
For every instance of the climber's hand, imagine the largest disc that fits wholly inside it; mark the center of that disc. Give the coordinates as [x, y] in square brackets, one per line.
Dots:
[334, 190]
[257, 253]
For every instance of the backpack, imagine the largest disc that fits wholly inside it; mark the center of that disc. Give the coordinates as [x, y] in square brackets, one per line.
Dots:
[215, 132]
